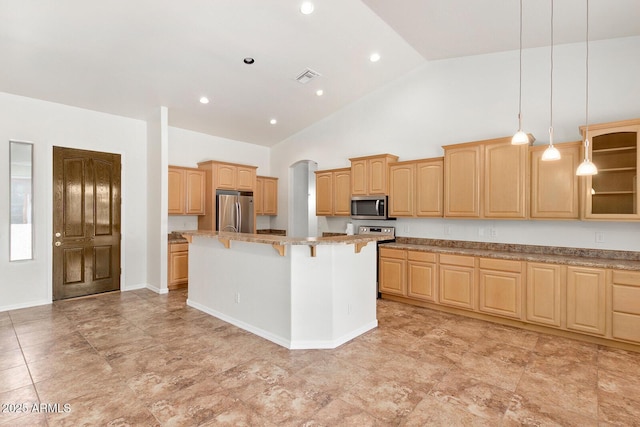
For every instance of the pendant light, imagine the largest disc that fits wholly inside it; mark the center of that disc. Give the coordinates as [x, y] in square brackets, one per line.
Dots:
[551, 153]
[587, 168]
[520, 137]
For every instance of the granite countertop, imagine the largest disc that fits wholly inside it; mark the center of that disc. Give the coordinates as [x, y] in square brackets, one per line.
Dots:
[621, 260]
[175, 237]
[283, 240]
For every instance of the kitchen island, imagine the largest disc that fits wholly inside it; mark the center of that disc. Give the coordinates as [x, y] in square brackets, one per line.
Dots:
[300, 293]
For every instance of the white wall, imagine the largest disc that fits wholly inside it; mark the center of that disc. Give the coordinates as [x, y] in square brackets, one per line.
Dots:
[187, 148]
[474, 98]
[47, 124]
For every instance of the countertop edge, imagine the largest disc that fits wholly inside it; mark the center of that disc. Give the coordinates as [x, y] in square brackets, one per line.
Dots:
[615, 264]
[283, 240]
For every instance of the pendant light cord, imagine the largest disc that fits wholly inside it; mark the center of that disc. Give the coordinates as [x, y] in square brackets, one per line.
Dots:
[551, 97]
[520, 93]
[586, 129]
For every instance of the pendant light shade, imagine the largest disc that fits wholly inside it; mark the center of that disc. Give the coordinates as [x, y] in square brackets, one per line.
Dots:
[551, 153]
[587, 168]
[521, 138]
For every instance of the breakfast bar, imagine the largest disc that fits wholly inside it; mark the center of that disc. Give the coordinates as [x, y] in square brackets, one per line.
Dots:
[300, 293]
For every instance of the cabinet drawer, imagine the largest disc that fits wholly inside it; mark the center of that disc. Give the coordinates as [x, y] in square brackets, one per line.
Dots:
[466, 261]
[421, 256]
[392, 253]
[626, 327]
[626, 299]
[630, 278]
[179, 247]
[501, 265]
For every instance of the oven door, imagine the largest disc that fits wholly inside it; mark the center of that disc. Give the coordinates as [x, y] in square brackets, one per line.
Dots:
[369, 207]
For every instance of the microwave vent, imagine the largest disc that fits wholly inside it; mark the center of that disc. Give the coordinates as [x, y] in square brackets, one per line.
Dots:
[307, 75]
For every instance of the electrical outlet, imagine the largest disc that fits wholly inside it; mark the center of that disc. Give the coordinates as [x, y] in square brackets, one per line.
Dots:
[348, 308]
[406, 228]
[599, 237]
[237, 297]
[447, 230]
[480, 231]
[493, 232]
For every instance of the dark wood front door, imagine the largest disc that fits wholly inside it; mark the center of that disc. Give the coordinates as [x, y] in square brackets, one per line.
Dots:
[86, 222]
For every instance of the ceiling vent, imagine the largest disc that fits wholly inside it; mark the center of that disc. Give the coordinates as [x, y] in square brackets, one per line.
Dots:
[307, 75]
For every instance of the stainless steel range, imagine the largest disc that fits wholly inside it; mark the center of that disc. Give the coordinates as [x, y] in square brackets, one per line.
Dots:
[390, 236]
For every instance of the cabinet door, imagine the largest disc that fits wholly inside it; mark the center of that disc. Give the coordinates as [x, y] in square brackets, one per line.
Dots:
[401, 190]
[429, 186]
[324, 193]
[226, 177]
[178, 267]
[245, 178]
[457, 281]
[377, 171]
[359, 177]
[270, 196]
[176, 186]
[342, 192]
[544, 292]
[626, 305]
[505, 180]
[500, 287]
[258, 196]
[586, 300]
[392, 274]
[421, 276]
[554, 185]
[195, 192]
[462, 172]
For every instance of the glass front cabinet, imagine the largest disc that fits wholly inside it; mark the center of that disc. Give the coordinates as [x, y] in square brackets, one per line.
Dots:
[612, 194]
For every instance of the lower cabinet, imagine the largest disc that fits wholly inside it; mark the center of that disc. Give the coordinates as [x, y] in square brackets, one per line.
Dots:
[586, 301]
[178, 265]
[457, 281]
[546, 284]
[500, 287]
[392, 274]
[625, 305]
[595, 301]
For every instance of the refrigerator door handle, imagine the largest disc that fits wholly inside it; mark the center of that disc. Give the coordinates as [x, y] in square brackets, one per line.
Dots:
[238, 216]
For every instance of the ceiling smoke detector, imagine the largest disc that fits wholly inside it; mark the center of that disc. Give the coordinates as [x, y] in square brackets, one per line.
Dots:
[307, 75]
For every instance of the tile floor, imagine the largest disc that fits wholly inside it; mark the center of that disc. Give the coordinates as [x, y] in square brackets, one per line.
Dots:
[137, 358]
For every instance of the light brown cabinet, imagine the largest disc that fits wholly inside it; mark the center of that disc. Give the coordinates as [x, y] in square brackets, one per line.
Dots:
[625, 315]
[586, 300]
[333, 192]
[500, 287]
[546, 287]
[224, 176]
[369, 175]
[457, 281]
[178, 264]
[265, 198]
[486, 179]
[422, 276]
[415, 188]
[554, 185]
[186, 191]
[392, 271]
[612, 194]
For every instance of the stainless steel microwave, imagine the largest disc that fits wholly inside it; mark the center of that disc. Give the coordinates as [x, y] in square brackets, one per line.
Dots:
[369, 207]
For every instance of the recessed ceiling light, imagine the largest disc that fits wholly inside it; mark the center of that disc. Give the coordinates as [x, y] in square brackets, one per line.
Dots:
[319, 92]
[204, 100]
[375, 57]
[248, 60]
[273, 121]
[306, 8]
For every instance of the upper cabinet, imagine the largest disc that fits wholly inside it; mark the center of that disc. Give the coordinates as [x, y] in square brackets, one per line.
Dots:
[266, 196]
[186, 191]
[333, 192]
[554, 185]
[370, 175]
[415, 188]
[486, 179]
[236, 177]
[612, 194]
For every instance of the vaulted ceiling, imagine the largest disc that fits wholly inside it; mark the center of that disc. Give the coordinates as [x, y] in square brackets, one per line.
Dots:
[128, 57]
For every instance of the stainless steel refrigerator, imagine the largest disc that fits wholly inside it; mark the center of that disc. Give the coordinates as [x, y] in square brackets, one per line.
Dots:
[234, 211]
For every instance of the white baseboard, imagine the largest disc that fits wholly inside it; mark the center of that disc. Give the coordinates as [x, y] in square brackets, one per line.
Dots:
[133, 287]
[24, 305]
[157, 290]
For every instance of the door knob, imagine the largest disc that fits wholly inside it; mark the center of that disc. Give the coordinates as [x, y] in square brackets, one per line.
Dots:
[58, 243]
[58, 234]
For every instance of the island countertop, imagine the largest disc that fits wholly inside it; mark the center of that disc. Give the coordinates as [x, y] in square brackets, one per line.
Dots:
[270, 239]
